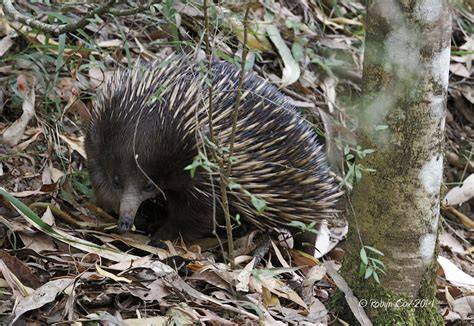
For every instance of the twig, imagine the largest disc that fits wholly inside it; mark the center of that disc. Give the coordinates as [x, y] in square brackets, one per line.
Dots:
[222, 179]
[239, 91]
[57, 29]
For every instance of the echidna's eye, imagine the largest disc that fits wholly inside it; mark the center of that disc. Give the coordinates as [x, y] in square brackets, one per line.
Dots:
[116, 182]
[149, 187]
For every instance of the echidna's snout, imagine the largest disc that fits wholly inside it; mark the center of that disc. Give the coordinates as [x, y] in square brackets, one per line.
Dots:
[125, 223]
[129, 204]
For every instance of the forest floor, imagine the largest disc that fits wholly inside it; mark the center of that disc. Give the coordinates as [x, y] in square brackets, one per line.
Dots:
[62, 258]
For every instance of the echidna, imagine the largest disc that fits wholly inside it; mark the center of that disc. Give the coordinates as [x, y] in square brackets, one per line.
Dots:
[150, 122]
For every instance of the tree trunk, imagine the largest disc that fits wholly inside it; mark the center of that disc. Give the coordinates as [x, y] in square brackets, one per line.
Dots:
[396, 208]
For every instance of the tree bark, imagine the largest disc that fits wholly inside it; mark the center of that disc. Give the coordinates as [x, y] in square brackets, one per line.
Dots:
[396, 209]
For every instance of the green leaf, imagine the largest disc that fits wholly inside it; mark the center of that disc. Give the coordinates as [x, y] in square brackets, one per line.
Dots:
[194, 165]
[358, 174]
[376, 277]
[368, 272]
[297, 51]
[297, 224]
[259, 204]
[362, 269]
[237, 219]
[83, 189]
[378, 252]
[233, 185]
[363, 256]
[376, 262]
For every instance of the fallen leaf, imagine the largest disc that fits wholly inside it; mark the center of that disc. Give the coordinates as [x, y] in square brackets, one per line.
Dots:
[291, 69]
[76, 144]
[351, 300]
[19, 289]
[459, 195]
[111, 275]
[459, 69]
[464, 306]
[13, 134]
[45, 294]
[110, 43]
[454, 275]
[447, 240]
[243, 278]
[5, 44]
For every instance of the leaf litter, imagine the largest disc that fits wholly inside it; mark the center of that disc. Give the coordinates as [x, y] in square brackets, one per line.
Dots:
[70, 264]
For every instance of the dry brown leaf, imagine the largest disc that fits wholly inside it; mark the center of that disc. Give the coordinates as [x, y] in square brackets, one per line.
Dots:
[27, 193]
[459, 69]
[13, 134]
[464, 306]
[45, 294]
[261, 280]
[37, 241]
[447, 240]
[243, 277]
[156, 266]
[154, 291]
[75, 143]
[188, 10]
[213, 278]
[17, 267]
[5, 44]
[346, 21]
[256, 36]
[455, 275]
[458, 195]
[351, 300]
[318, 312]
[19, 289]
[22, 146]
[111, 275]
[96, 76]
[149, 321]
[110, 43]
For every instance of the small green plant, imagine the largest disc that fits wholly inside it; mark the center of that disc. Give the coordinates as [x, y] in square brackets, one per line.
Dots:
[370, 266]
[310, 227]
[258, 203]
[355, 170]
[202, 161]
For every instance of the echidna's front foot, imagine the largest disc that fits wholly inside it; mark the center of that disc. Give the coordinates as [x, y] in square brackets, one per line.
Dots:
[166, 232]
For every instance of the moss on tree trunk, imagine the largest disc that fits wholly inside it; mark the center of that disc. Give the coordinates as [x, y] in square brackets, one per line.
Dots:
[396, 209]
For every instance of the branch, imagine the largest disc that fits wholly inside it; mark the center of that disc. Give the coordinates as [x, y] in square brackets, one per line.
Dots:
[57, 29]
[235, 117]
[215, 144]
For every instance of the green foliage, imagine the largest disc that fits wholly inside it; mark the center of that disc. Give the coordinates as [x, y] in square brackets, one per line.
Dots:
[258, 203]
[355, 170]
[201, 161]
[169, 14]
[303, 226]
[237, 219]
[370, 266]
[81, 183]
[156, 97]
